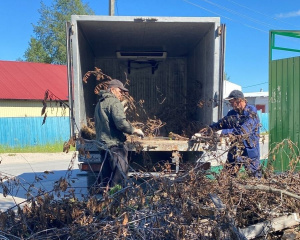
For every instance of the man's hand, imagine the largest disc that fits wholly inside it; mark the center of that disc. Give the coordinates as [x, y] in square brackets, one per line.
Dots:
[138, 132]
[203, 131]
[196, 136]
[207, 131]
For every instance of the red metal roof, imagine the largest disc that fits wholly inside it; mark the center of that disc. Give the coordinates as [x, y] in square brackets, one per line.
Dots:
[27, 80]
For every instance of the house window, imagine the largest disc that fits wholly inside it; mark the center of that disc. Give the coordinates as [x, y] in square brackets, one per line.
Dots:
[261, 107]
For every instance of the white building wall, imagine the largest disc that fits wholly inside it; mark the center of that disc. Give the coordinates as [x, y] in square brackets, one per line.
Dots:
[28, 108]
[258, 98]
[227, 88]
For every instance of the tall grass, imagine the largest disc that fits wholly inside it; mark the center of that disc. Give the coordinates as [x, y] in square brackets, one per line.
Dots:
[49, 148]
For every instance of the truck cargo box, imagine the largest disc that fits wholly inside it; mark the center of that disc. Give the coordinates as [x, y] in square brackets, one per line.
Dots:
[172, 63]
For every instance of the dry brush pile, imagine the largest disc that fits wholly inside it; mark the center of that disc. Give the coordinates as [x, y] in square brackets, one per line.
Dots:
[157, 208]
[197, 204]
[172, 117]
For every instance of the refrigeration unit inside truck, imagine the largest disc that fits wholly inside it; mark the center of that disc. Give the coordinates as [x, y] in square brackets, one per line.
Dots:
[174, 66]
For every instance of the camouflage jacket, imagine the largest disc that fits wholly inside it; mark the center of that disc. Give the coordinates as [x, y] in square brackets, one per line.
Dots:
[110, 120]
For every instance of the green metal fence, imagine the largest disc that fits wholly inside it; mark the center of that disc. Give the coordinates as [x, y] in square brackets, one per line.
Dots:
[284, 101]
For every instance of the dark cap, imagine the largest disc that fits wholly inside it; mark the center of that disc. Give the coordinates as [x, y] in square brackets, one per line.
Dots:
[115, 83]
[235, 94]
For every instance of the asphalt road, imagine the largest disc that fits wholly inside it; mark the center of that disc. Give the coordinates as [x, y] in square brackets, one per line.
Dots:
[27, 174]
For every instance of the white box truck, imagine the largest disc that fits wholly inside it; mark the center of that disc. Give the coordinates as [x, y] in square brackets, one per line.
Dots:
[170, 61]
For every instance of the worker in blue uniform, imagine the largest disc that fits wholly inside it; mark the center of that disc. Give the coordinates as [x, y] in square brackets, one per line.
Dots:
[242, 125]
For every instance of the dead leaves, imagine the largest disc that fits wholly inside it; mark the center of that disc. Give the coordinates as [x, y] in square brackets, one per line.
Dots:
[67, 145]
[125, 220]
[97, 73]
[162, 210]
[49, 96]
[100, 76]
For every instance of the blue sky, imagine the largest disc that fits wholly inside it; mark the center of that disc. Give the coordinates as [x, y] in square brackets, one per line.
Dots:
[247, 39]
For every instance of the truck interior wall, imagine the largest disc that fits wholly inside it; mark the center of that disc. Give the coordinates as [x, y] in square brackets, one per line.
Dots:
[87, 63]
[201, 81]
[177, 90]
[171, 93]
[163, 92]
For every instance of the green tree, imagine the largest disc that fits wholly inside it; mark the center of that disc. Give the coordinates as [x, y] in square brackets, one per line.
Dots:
[49, 43]
[226, 77]
[36, 52]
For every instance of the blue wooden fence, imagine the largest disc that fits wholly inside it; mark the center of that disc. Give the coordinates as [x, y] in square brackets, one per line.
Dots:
[29, 131]
[264, 120]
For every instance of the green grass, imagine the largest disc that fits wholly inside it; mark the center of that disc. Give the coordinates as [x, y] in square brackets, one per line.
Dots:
[49, 148]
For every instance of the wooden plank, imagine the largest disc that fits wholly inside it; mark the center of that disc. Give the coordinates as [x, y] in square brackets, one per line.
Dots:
[163, 144]
[276, 224]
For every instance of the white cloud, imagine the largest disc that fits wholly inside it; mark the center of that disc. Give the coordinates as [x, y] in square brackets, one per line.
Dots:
[289, 14]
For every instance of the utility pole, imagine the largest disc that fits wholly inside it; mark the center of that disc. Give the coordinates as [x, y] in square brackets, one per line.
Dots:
[111, 7]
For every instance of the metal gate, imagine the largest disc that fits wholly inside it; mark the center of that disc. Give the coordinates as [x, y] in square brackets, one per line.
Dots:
[284, 101]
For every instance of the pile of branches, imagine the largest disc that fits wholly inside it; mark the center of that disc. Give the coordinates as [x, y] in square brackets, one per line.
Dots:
[103, 85]
[156, 122]
[135, 112]
[197, 204]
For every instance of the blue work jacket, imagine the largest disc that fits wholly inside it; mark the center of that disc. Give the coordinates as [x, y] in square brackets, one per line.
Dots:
[246, 126]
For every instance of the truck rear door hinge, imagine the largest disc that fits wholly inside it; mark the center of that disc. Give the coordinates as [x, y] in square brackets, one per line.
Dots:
[219, 31]
[70, 28]
[216, 99]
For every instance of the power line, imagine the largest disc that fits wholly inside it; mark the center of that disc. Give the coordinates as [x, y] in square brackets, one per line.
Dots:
[196, 5]
[255, 85]
[239, 14]
[263, 14]
[264, 24]
[117, 9]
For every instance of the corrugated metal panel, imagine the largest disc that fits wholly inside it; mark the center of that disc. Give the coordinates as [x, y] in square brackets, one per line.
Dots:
[15, 132]
[11, 108]
[26, 80]
[166, 85]
[284, 111]
[163, 91]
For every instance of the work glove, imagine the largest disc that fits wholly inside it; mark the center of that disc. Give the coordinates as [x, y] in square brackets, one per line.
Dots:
[207, 131]
[138, 132]
[196, 136]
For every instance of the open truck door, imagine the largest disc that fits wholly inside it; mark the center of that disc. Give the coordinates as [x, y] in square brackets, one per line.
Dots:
[222, 33]
[70, 77]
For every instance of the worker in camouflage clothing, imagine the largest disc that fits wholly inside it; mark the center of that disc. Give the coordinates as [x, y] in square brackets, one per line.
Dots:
[111, 124]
